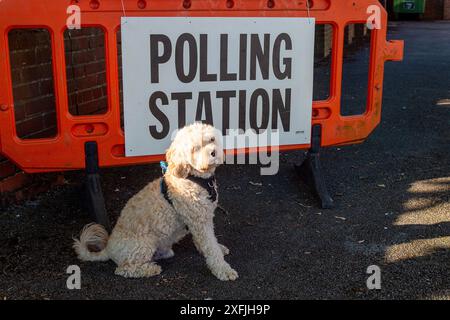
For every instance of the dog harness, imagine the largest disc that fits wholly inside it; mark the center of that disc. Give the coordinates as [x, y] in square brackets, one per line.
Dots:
[208, 184]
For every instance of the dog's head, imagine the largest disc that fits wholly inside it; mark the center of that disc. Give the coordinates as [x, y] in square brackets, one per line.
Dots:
[196, 150]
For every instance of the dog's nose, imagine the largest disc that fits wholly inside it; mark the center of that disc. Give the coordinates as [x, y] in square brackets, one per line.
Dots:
[213, 153]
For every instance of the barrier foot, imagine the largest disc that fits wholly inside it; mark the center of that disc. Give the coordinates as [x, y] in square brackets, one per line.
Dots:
[310, 171]
[93, 187]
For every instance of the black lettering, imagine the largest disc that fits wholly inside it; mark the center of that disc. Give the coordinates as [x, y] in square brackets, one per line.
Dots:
[179, 57]
[225, 96]
[155, 58]
[204, 99]
[287, 62]
[243, 57]
[158, 114]
[224, 75]
[281, 108]
[254, 110]
[204, 76]
[242, 111]
[181, 97]
[260, 54]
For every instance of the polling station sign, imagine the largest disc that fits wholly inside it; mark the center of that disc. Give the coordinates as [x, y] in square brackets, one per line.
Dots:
[234, 73]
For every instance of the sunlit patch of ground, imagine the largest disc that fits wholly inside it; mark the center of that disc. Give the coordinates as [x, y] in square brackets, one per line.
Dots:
[440, 296]
[416, 248]
[426, 194]
[443, 103]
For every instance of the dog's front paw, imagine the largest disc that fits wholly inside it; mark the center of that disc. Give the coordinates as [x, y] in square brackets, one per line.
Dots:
[224, 249]
[225, 273]
[163, 254]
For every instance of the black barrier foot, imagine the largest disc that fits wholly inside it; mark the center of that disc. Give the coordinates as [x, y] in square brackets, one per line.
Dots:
[93, 187]
[310, 171]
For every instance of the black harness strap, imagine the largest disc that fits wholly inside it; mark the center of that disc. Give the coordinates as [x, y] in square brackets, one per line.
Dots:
[207, 184]
[164, 191]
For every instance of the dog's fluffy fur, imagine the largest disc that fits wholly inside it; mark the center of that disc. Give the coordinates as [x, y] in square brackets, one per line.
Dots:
[148, 225]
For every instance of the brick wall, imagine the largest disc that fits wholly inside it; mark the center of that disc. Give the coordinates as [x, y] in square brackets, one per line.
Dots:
[10, 176]
[434, 10]
[33, 87]
[32, 76]
[354, 35]
[446, 10]
[86, 72]
[323, 41]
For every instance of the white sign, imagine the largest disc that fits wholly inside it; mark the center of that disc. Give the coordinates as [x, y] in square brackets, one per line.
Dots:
[234, 73]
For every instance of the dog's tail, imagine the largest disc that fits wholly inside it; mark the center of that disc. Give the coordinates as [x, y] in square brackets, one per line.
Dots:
[92, 243]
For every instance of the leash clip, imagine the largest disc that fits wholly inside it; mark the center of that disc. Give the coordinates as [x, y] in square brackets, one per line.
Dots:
[164, 166]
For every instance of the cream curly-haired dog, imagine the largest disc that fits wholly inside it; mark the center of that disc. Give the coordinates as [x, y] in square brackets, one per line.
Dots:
[162, 213]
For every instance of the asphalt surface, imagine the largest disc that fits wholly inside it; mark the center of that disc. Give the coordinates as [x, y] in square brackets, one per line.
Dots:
[393, 210]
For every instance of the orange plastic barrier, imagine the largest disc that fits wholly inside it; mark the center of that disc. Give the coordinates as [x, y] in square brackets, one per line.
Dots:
[67, 150]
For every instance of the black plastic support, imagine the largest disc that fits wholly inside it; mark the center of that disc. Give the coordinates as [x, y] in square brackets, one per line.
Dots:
[93, 187]
[310, 170]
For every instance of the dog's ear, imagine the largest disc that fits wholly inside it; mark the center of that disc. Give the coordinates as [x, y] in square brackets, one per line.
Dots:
[176, 160]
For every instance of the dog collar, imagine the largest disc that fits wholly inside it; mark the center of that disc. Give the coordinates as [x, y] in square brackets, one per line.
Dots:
[209, 184]
[163, 186]
[164, 166]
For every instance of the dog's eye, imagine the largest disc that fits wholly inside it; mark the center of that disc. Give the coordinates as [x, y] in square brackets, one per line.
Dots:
[213, 139]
